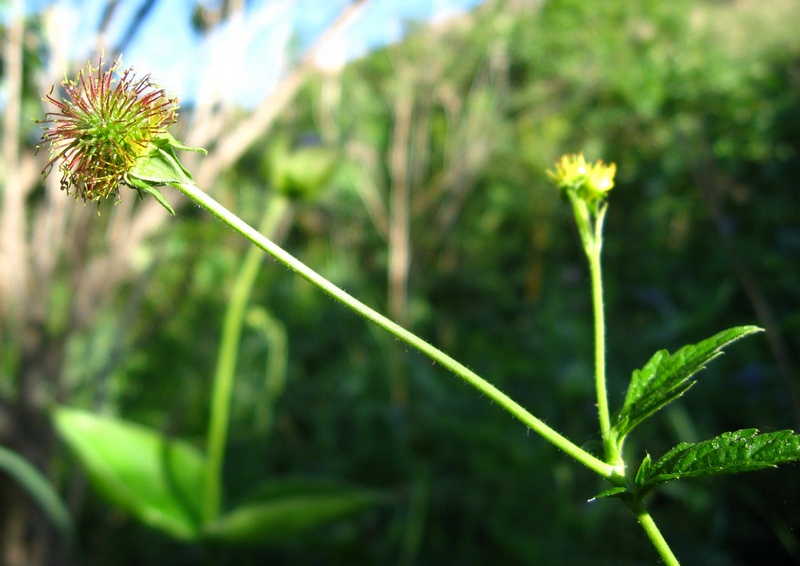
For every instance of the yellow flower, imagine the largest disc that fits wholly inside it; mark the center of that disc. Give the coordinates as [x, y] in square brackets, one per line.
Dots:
[570, 171]
[601, 178]
[588, 182]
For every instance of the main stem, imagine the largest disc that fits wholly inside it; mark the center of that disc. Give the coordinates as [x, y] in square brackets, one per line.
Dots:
[593, 244]
[200, 198]
[658, 540]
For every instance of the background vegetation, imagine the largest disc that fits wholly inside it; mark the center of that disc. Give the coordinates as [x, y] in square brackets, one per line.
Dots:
[439, 212]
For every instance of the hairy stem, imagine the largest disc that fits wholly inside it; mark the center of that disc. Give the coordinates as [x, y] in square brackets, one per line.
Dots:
[593, 251]
[655, 536]
[203, 200]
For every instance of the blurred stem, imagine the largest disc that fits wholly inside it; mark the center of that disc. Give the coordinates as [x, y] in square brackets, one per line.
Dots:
[415, 518]
[212, 206]
[13, 271]
[274, 334]
[225, 373]
[399, 230]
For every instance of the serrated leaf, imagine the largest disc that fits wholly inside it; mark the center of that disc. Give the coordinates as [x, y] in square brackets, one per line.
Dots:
[156, 479]
[666, 377]
[730, 453]
[282, 508]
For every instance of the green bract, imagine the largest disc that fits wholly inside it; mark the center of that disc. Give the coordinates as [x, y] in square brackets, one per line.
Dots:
[160, 166]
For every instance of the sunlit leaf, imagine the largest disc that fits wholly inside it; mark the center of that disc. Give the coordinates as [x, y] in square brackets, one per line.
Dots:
[730, 453]
[668, 376]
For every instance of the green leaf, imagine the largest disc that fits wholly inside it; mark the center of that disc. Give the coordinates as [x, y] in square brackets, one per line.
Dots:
[611, 492]
[666, 377]
[282, 508]
[730, 453]
[39, 488]
[157, 480]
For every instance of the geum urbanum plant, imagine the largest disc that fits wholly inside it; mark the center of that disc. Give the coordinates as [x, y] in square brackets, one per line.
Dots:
[109, 134]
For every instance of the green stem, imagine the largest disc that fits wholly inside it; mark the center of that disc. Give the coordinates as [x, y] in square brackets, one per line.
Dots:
[655, 536]
[205, 201]
[225, 372]
[593, 251]
[590, 226]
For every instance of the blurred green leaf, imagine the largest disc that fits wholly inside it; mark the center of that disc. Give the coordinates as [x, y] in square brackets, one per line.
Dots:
[666, 377]
[281, 508]
[730, 453]
[39, 488]
[301, 172]
[158, 480]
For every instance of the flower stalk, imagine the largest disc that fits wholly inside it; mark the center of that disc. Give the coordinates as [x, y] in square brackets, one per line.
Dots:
[586, 186]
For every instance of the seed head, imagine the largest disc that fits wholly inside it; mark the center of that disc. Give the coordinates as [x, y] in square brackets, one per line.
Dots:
[102, 127]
